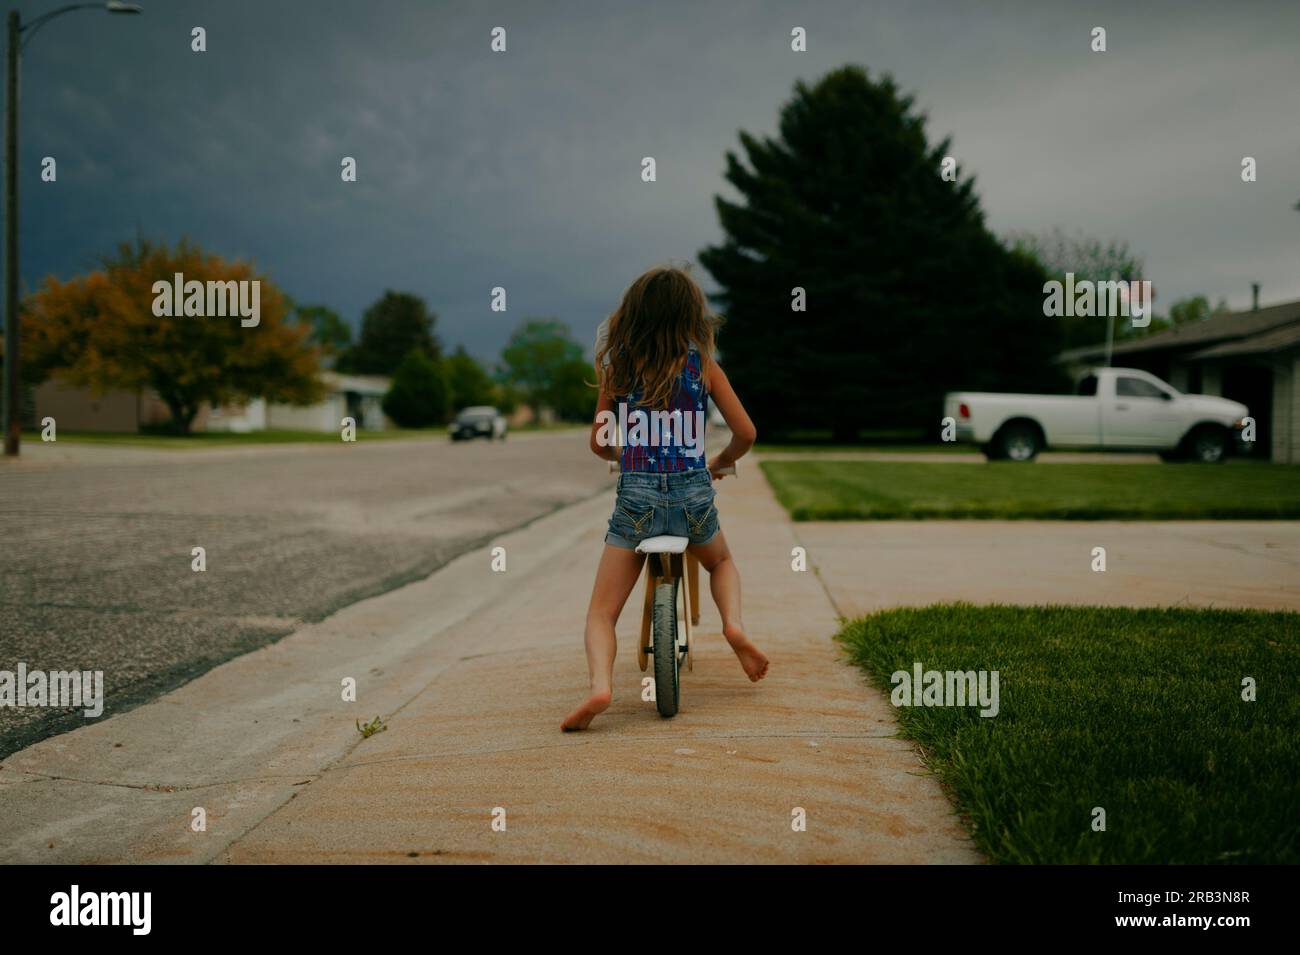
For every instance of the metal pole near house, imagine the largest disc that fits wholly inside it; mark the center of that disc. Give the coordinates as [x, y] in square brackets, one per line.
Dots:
[12, 398]
[1110, 326]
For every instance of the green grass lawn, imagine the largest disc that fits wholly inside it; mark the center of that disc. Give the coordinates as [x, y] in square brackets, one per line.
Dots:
[1136, 711]
[883, 490]
[938, 447]
[878, 440]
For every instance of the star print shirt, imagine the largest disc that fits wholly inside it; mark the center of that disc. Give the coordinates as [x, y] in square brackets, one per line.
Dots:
[666, 440]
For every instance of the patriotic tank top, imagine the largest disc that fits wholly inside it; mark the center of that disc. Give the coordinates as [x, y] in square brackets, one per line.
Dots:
[669, 439]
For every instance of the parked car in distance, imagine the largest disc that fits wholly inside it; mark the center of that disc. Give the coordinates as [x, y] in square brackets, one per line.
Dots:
[478, 421]
[1113, 409]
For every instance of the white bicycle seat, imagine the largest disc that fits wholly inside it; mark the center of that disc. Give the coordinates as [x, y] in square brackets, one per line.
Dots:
[663, 544]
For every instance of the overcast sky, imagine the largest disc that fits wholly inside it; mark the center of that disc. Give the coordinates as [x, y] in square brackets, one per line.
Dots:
[522, 169]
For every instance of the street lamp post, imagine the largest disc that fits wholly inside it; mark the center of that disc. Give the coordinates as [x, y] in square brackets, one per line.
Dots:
[12, 386]
[12, 390]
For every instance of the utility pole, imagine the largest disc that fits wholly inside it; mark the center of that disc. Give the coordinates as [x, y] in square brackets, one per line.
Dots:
[12, 404]
[1110, 325]
[13, 393]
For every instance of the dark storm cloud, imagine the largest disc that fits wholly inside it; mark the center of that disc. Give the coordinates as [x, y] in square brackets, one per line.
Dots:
[522, 169]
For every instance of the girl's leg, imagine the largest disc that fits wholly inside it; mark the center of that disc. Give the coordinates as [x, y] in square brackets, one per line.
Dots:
[615, 577]
[724, 582]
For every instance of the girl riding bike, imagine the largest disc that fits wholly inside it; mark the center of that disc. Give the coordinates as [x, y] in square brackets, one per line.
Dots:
[655, 371]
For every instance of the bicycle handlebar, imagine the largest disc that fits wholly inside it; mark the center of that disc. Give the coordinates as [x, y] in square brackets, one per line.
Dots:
[615, 469]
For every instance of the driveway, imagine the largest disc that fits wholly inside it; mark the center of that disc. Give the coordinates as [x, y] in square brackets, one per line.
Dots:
[871, 565]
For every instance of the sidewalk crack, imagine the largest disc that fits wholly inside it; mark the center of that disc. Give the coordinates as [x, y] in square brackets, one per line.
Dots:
[161, 788]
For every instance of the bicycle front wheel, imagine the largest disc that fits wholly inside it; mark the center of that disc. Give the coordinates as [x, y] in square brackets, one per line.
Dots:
[667, 674]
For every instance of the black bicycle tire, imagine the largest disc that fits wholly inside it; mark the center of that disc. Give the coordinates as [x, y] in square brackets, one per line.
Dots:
[664, 632]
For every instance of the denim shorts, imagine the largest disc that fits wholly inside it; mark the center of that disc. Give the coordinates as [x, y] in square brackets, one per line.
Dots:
[650, 504]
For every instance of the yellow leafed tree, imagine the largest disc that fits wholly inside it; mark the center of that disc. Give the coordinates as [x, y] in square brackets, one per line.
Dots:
[99, 330]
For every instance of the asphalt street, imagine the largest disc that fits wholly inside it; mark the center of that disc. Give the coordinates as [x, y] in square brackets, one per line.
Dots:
[96, 563]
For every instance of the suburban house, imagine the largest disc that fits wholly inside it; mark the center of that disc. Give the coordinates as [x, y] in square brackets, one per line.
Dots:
[359, 397]
[80, 409]
[1251, 356]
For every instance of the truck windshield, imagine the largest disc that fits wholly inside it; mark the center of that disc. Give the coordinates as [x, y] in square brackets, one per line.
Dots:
[1088, 386]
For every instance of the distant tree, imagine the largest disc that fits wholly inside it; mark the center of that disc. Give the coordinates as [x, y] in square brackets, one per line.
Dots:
[1083, 255]
[390, 329]
[418, 396]
[506, 397]
[1185, 311]
[1194, 309]
[907, 293]
[535, 359]
[571, 395]
[1087, 258]
[469, 381]
[99, 331]
[328, 330]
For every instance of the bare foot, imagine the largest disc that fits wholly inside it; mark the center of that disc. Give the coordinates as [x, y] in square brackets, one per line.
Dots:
[581, 718]
[751, 658]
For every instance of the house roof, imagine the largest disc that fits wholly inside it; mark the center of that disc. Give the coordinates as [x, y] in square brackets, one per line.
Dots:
[1275, 339]
[1221, 328]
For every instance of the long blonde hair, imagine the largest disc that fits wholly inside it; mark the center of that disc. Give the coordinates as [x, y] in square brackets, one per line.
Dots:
[663, 313]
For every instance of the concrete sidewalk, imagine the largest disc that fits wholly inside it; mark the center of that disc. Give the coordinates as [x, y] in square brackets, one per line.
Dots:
[473, 671]
[872, 565]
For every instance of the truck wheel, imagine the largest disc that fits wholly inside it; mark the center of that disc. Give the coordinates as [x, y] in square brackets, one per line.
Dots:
[1017, 442]
[1208, 445]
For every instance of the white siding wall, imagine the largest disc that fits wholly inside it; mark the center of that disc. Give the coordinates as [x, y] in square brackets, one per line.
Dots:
[323, 416]
[239, 419]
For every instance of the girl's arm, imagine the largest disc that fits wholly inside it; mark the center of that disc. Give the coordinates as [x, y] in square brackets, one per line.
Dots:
[600, 431]
[743, 432]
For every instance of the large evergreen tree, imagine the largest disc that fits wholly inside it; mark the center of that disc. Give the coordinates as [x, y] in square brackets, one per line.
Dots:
[908, 293]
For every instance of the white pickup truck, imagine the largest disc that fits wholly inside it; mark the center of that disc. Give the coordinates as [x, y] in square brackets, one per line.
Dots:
[1115, 409]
